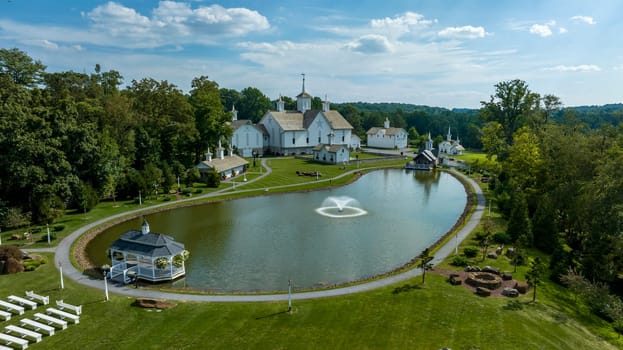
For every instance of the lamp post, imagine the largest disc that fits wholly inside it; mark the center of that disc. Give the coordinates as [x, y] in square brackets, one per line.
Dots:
[105, 269]
[289, 295]
[60, 267]
[47, 226]
[140, 200]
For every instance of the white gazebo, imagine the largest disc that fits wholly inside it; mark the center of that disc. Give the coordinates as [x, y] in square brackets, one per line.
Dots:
[150, 256]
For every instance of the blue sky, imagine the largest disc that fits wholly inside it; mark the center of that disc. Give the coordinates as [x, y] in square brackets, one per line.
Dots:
[437, 53]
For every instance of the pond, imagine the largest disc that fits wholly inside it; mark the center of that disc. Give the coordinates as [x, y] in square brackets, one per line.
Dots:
[257, 244]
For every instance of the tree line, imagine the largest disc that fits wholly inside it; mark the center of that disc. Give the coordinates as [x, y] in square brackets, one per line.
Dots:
[557, 182]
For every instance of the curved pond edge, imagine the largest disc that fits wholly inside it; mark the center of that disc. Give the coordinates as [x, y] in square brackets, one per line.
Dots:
[441, 248]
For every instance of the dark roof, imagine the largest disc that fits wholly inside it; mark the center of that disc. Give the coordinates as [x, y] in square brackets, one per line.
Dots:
[426, 155]
[330, 148]
[304, 94]
[151, 244]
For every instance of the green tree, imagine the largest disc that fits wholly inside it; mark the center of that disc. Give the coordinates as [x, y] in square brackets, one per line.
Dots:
[424, 263]
[20, 67]
[213, 180]
[210, 120]
[253, 104]
[534, 276]
[519, 225]
[511, 105]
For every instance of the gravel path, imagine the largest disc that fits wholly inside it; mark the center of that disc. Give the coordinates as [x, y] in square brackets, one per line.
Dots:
[63, 250]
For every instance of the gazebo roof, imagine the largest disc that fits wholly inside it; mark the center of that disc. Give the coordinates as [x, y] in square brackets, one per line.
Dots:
[151, 244]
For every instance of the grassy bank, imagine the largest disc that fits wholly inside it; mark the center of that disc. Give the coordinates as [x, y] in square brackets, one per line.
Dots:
[403, 316]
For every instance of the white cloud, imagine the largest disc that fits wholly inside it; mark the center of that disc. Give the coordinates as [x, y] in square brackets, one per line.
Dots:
[578, 68]
[46, 44]
[399, 25]
[542, 30]
[174, 22]
[619, 67]
[562, 30]
[371, 43]
[583, 19]
[465, 32]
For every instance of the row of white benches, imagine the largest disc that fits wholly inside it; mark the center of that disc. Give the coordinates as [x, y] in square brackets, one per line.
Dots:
[12, 307]
[44, 323]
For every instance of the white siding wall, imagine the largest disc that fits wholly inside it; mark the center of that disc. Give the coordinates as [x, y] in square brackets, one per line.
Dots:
[247, 138]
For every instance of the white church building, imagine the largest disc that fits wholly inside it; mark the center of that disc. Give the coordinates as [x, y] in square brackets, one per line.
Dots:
[299, 131]
[387, 137]
[450, 146]
[247, 138]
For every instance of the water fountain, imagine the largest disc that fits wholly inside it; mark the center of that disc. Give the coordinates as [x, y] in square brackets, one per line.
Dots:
[340, 207]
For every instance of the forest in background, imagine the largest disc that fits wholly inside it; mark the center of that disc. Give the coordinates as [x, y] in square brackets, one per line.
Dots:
[69, 140]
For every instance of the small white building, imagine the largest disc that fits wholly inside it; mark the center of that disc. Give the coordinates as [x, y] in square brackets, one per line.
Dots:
[450, 146]
[226, 166]
[387, 137]
[333, 154]
[151, 256]
[247, 137]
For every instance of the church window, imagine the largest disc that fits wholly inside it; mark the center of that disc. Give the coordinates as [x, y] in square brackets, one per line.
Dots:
[342, 138]
[307, 140]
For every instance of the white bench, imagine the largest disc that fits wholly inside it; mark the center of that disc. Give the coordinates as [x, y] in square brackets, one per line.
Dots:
[2, 347]
[11, 307]
[63, 315]
[45, 300]
[5, 315]
[51, 320]
[62, 305]
[24, 333]
[37, 326]
[9, 340]
[22, 301]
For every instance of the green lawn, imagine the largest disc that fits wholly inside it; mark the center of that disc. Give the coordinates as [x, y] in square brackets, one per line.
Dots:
[404, 316]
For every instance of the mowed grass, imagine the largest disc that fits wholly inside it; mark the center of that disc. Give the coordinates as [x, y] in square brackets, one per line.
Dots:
[407, 315]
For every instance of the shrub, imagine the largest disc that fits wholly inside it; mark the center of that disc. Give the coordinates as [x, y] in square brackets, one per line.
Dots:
[501, 238]
[58, 227]
[198, 190]
[33, 264]
[35, 230]
[470, 252]
[166, 199]
[13, 265]
[188, 190]
[10, 251]
[459, 261]
[213, 179]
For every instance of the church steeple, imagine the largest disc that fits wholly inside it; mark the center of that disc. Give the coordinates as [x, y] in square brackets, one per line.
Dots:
[234, 113]
[303, 100]
[449, 136]
[429, 143]
[386, 123]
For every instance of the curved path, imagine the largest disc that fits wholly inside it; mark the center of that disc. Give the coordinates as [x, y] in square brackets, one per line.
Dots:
[63, 251]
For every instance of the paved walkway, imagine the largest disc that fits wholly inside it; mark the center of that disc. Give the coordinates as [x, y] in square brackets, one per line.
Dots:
[63, 251]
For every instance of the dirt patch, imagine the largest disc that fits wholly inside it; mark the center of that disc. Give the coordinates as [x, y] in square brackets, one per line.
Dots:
[153, 304]
[463, 276]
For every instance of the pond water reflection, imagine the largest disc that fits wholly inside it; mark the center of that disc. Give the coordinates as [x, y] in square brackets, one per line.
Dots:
[257, 244]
